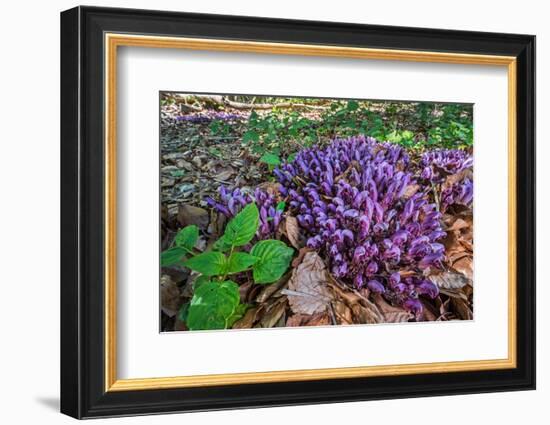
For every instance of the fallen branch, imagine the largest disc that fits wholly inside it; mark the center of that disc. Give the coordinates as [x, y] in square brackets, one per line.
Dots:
[223, 101]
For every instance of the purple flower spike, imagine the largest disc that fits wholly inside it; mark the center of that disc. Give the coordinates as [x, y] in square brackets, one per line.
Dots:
[376, 287]
[427, 288]
[372, 268]
[414, 306]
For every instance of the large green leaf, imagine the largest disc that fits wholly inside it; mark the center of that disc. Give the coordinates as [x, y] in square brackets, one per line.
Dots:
[183, 312]
[213, 306]
[274, 258]
[240, 261]
[251, 136]
[241, 229]
[239, 312]
[208, 263]
[172, 256]
[270, 159]
[187, 237]
[222, 245]
[202, 279]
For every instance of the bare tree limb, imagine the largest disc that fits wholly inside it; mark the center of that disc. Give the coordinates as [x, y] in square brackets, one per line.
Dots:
[213, 100]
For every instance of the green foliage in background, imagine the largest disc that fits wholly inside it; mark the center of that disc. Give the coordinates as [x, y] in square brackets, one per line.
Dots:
[281, 132]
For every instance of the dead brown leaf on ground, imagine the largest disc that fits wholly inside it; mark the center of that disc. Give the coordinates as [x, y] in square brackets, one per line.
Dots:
[292, 232]
[410, 190]
[363, 311]
[248, 320]
[271, 290]
[274, 314]
[449, 280]
[170, 298]
[307, 288]
[319, 319]
[189, 215]
[461, 307]
[392, 314]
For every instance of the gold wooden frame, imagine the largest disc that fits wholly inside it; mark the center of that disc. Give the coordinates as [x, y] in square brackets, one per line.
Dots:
[113, 41]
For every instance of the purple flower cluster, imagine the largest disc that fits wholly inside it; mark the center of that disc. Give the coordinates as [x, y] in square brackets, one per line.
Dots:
[350, 199]
[354, 203]
[233, 201]
[460, 193]
[208, 116]
[436, 162]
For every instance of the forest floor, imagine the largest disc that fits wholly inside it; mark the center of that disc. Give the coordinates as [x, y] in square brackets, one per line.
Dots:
[196, 161]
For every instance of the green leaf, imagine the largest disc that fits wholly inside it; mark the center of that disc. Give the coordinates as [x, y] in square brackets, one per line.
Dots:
[240, 261]
[213, 305]
[210, 263]
[177, 173]
[183, 312]
[239, 312]
[241, 229]
[352, 105]
[200, 280]
[172, 256]
[270, 159]
[274, 258]
[222, 245]
[187, 237]
[251, 136]
[291, 157]
[281, 206]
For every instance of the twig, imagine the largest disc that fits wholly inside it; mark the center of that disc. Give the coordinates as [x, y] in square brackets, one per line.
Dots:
[436, 197]
[332, 315]
[223, 101]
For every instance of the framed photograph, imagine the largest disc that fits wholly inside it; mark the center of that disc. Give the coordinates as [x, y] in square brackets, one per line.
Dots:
[261, 212]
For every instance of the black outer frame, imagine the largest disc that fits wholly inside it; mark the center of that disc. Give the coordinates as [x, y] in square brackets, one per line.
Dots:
[82, 206]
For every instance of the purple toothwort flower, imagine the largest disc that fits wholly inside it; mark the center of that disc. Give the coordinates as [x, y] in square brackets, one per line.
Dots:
[436, 162]
[350, 202]
[231, 202]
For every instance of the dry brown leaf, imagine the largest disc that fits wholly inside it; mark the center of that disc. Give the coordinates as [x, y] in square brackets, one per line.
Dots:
[410, 190]
[391, 313]
[461, 308]
[465, 266]
[224, 175]
[245, 289]
[444, 307]
[458, 225]
[366, 315]
[301, 254]
[292, 232]
[467, 243]
[454, 293]
[449, 280]
[189, 214]
[307, 288]
[319, 319]
[454, 178]
[272, 315]
[362, 309]
[271, 188]
[342, 312]
[429, 312]
[170, 299]
[268, 290]
[248, 320]
[451, 243]
[349, 297]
